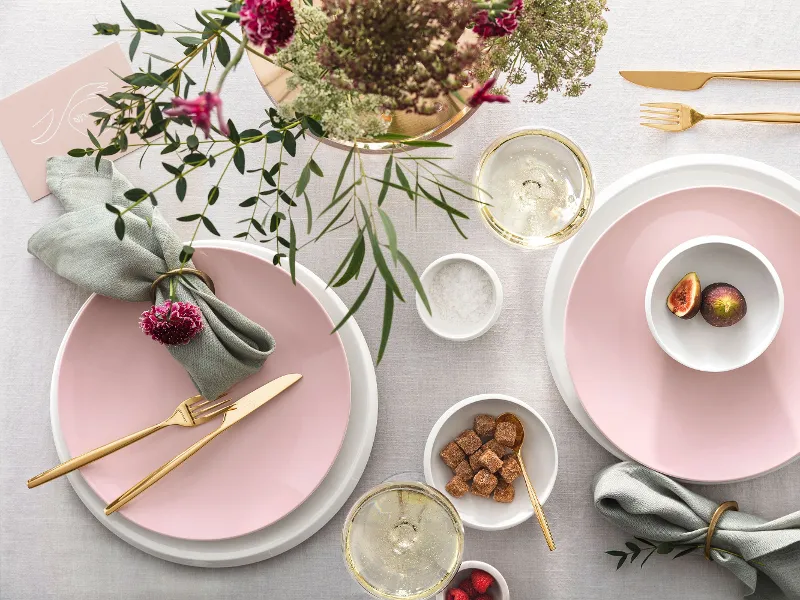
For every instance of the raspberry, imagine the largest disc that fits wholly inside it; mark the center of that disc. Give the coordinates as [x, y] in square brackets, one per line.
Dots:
[481, 580]
[457, 594]
[467, 586]
[484, 597]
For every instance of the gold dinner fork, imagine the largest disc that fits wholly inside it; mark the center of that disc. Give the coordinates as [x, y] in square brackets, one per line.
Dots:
[672, 116]
[192, 411]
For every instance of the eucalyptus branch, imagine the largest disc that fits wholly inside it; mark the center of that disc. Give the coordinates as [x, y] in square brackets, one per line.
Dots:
[208, 141]
[222, 13]
[231, 64]
[151, 31]
[133, 205]
[258, 192]
[213, 196]
[249, 48]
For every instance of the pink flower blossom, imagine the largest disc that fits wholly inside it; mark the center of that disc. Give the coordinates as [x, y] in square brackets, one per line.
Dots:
[268, 24]
[172, 323]
[486, 26]
[199, 111]
[482, 94]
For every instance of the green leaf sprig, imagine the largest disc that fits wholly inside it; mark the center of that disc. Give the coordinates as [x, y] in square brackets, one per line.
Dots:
[648, 548]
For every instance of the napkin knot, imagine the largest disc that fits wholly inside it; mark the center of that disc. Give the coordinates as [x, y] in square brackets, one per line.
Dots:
[763, 554]
[81, 246]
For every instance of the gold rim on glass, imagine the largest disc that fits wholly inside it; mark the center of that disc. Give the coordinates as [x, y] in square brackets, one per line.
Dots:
[421, 488]
[536, 242]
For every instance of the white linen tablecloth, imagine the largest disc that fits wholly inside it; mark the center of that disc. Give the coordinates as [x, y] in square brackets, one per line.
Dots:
[51, 547]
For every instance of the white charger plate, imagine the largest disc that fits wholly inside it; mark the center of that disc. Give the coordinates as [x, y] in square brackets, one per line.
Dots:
[651, 181]
[304, 521]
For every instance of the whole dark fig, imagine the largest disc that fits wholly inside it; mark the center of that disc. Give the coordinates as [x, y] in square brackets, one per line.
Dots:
[722, 305]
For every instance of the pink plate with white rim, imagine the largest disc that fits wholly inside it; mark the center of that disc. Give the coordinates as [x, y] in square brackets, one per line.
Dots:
[693, 425]
[113, 380]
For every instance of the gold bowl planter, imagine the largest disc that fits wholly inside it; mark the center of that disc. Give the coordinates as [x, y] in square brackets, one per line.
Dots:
[451, 112]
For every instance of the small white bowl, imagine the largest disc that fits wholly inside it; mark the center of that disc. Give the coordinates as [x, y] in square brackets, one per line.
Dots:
[498, 590]
[453, 330]
[539, 453]
[693, 342]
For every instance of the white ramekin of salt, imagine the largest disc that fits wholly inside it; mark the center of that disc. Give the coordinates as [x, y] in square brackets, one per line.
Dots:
[465, 296]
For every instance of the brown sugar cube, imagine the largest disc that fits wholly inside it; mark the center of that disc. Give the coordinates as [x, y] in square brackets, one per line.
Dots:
[504, 493]
[491, 461]
[452, 454]
[464, 471]
[496, 447]
[506, 434]
[469, 441]
[473, 460]
[510, 469]
[484, 425]
[483, 483]
[456, 487]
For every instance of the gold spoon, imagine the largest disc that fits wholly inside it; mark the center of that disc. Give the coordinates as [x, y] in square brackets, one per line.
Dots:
[537, 507]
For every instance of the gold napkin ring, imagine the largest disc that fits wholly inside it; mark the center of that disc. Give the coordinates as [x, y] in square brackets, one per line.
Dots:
[174, 272]
[712, 525]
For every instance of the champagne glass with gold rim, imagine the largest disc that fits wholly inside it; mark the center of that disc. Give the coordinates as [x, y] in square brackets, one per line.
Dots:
[403, 540]
[534, 187]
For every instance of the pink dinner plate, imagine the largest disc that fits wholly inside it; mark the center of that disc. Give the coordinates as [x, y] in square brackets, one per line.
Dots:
[113, 380]
[704, 427]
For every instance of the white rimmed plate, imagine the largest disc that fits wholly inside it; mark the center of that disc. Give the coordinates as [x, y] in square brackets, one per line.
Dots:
[307, 519]
[644, 184]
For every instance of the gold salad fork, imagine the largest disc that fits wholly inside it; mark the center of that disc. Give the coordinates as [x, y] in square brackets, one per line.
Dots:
[672, 116]
[192, 411]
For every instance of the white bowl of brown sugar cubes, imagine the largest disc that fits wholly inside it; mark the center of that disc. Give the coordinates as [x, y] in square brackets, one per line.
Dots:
[467, 457]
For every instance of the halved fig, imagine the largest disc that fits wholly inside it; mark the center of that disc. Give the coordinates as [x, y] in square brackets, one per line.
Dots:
[684, 299]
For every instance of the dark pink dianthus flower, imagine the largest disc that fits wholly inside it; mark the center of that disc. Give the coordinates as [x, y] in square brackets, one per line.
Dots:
[172, 323]
[268, 24]
[487, 27]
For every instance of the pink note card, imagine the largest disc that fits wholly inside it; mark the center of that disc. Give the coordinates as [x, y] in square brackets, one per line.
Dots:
[51, 116]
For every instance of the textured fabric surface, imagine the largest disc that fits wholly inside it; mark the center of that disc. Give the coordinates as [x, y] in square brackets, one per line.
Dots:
[652, 506]
[81, 246]
[52, 548]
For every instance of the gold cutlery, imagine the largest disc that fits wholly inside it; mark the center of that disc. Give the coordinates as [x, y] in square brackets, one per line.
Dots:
[192, 411]
[517, 448]
[694, 80]
[671, 116]
[235, 413]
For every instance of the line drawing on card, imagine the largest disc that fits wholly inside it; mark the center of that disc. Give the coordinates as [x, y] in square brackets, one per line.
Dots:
[83, 94]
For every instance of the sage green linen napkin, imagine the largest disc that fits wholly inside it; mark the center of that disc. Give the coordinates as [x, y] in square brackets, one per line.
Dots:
[81, 246]
[650, 505]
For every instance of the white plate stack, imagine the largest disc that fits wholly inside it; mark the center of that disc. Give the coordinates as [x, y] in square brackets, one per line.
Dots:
[309, 517]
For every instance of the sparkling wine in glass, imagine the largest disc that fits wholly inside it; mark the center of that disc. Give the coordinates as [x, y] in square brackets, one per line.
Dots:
[535, 188]
[403, 540]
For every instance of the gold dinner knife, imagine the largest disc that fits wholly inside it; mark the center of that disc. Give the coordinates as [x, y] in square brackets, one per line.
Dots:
[238, 411]
[694, 80]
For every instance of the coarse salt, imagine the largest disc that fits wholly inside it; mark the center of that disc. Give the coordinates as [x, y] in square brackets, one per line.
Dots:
[461, 291]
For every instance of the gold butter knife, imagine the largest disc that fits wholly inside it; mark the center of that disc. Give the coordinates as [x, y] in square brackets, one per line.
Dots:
[694, 80]
[238, 411]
